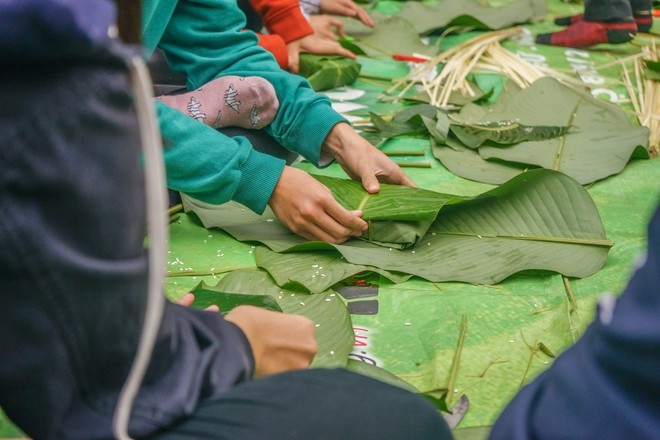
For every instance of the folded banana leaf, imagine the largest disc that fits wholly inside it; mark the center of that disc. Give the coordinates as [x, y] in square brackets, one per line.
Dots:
[398, 215]
[328, 71]
[581, 136]
[334, 331]
[540, 219]
[407, 122]
[467, 126]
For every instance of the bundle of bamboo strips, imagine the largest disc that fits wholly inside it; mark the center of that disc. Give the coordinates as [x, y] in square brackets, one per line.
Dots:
[645, 95]
[481, 54]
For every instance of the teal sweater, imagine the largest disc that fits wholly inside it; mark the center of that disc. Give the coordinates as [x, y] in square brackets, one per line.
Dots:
[203, 40]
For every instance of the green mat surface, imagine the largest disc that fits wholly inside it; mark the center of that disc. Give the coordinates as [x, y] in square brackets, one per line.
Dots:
[416, 330]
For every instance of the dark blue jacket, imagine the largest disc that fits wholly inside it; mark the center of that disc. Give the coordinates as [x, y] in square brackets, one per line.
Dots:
[73, 268]
[42, 30]
[607, 386]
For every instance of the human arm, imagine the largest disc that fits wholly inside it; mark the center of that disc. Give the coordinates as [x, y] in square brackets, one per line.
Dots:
[347, 8]
[284, 19]
[317, 215]
[303, 122]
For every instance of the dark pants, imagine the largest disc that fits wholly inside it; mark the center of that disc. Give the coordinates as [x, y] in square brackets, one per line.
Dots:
[313, 404]
[614, 10]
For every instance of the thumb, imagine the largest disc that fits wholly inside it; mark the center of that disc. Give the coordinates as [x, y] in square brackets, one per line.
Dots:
[370, 183]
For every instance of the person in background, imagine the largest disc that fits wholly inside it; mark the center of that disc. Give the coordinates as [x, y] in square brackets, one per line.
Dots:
[74, 272]
[204, 41]
[603, 21]
[293, 30]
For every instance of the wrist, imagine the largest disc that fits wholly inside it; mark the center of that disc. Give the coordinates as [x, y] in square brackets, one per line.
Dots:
[335, 142]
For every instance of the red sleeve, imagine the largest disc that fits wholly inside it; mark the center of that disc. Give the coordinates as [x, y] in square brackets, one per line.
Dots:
[283, 17]
[275, 45]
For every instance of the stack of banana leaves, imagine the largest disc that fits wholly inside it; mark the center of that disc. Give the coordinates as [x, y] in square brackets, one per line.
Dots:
[547, 125]
[540, 219]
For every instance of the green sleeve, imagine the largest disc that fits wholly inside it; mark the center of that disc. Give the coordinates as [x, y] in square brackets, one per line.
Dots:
[213, 167]
[203, 39]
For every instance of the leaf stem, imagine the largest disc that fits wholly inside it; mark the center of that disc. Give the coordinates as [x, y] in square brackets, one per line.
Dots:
[562, 142]
[201, 273]
[174, 209]
[457, 357]
[404, 153]
[567, 240]
[414, 164]
[569, 293]
[532, 350]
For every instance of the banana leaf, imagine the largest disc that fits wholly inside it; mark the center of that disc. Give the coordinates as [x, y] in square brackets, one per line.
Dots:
[311, 271]
[206, 296]
[652, 70]
[425, 18]
[328, 71]
[334, 331]
[470, 13]
[392, 35]
[503, 132]
[599, 142]
[398, 215]
[438, 123]
[540, 219]
[407, 122]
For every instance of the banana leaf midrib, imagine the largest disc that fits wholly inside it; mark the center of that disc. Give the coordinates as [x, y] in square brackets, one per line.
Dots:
[552, 239]
[562, 140]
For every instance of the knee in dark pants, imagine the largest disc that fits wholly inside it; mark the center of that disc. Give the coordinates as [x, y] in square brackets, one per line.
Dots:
[314, 404]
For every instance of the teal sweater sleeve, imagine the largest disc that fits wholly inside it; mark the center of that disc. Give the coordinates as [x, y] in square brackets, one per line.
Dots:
[212, 167]
[203, 39]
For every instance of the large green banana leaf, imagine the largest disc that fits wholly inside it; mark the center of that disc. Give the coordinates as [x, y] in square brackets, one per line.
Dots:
[599, 142]
[392, 35]
[540, 219]
[467, 163]
[407, 122]
[328, 71]
[316, 270]
[398, 215]
[334, 331]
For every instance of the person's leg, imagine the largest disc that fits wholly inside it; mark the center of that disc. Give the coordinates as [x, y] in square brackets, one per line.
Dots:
[643, 13]
[603, 21]
[313, 404]
[641, 10]
[229, 101]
